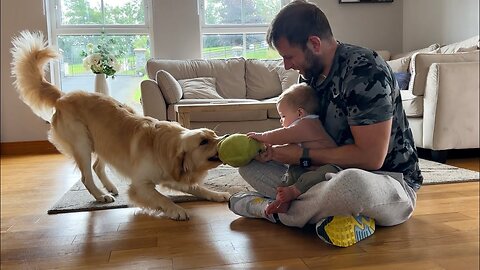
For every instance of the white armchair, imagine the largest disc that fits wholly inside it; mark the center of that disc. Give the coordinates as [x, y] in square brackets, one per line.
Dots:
[440, 94]
[449, 86]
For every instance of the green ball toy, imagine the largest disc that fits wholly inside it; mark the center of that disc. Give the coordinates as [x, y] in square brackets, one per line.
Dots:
[238, 150]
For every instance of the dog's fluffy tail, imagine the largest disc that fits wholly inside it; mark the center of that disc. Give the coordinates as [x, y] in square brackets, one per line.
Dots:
[30, 56]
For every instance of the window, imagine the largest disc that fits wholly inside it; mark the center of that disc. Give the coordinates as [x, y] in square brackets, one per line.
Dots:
[234, 28]
[76, 23]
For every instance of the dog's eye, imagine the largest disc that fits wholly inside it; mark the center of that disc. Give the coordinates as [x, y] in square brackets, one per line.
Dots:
[204, 141]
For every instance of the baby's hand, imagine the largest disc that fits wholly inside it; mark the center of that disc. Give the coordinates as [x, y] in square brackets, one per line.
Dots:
[254, 135]
[266, 155]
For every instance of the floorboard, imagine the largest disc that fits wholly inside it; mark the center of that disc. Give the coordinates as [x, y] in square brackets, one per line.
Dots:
[442, 234]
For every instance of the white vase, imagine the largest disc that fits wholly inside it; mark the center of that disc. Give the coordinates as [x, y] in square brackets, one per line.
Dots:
[101, 84]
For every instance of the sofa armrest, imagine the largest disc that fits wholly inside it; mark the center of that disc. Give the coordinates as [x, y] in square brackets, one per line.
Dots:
[421, 63]
[153, 103]
[451, 111]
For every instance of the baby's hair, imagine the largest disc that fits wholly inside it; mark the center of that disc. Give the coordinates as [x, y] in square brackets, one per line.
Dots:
[301, 96]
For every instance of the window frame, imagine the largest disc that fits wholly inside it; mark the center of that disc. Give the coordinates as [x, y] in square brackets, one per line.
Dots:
[55, 29]
[230, 29]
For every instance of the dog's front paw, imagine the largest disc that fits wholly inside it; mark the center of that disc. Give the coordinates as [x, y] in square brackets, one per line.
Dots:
[176, 213]
[220, 197]
[113, 191]
[107, 198]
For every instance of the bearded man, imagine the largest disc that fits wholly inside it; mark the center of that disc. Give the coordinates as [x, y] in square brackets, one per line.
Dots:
[361, 109]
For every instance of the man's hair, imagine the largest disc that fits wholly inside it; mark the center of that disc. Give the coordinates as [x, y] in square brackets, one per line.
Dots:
[297, 21]
[301, 95]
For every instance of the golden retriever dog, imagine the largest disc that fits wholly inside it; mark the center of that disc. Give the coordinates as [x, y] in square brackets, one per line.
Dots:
[146, 151]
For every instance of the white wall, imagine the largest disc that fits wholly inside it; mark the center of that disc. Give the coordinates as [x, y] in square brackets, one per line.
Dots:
[438, 21]
[177, 29]
[376, 26]
[18, 123]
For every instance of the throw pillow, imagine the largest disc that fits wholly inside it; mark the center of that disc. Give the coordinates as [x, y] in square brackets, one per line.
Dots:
[199, 88]
[384, 54]
[430, 48]
[469, 49]
[454, 47]
[400, 64]
[403, 79]
[171, 90]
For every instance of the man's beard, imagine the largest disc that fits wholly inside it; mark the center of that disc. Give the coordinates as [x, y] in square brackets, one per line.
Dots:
[313, 65]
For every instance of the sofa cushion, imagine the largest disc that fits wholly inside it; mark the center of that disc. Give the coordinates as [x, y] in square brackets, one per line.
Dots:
[229, 73]
[180, 69]
[413, 105]
[261, 79]
[469, 49]
[287, 77]
[384, 54]
[430, 48]
[421, 64]
[171, 89]
[401, 62]
[219, 116]
[199, 88]
[455, 47]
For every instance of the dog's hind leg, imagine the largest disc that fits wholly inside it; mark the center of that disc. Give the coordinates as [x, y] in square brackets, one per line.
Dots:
[99, 168]
[146, 196]
[73, 138]
[83, 157]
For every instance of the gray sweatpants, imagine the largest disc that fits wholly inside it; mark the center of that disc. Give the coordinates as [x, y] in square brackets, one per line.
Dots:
[383, 196]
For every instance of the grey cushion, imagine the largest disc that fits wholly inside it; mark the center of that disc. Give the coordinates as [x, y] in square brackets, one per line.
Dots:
[171, 89]
[199, 88]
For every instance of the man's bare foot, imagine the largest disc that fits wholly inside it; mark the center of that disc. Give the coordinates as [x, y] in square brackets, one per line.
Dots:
[277, 207]
[287, 194]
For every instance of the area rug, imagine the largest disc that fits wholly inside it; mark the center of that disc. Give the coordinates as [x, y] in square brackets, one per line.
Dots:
[226, 178]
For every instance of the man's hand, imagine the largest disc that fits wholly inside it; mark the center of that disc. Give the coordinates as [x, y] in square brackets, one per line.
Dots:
[287, 153]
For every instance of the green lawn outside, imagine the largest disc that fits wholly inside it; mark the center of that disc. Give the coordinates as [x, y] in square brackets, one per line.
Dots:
[263, 54]
[137, 94]
[227, 52]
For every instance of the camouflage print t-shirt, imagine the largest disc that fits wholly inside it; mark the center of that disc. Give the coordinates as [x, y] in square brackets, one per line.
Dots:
[361, 90]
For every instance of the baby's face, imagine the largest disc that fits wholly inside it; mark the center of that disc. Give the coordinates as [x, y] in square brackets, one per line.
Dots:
[287, 113]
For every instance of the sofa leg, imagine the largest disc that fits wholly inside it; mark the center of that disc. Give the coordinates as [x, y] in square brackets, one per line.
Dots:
[439, 155]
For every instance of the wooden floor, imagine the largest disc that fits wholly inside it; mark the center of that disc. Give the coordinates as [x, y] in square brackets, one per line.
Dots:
[442, 234]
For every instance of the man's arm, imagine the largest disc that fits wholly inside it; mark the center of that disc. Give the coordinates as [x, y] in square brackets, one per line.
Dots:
[368, 151]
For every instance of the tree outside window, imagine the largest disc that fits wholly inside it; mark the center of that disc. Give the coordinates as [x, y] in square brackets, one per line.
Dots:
[76, 23]
[234, 28]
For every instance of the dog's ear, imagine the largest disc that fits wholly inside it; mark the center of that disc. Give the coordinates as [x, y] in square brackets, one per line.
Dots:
[186, 166]
[178, 167]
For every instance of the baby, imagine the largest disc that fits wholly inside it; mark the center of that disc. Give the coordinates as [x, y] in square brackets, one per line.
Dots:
[300, 125]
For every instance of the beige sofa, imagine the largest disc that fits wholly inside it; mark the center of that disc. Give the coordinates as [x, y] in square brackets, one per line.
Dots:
[235, 80]
[442, 97]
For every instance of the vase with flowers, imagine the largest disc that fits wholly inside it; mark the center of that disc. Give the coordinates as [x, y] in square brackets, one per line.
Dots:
[102, 60]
